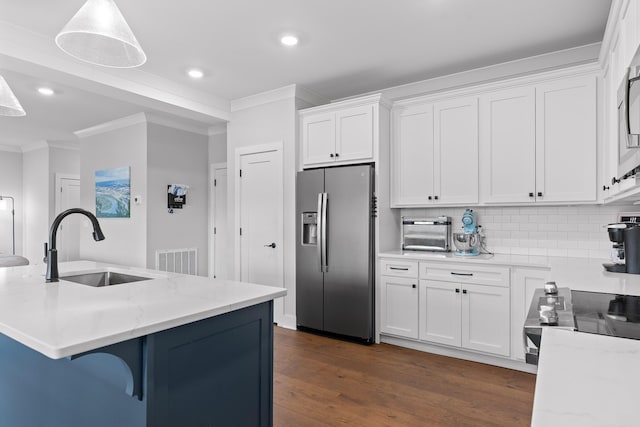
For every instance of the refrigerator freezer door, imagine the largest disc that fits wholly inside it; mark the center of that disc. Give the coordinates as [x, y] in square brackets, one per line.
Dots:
[348, 281]
[309, 283]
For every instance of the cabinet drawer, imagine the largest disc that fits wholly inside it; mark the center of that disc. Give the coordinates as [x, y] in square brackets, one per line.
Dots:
[465, 273]
[399, 268]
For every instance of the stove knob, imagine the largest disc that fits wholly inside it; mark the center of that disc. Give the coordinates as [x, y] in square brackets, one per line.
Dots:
[550, 288]
[548, 315]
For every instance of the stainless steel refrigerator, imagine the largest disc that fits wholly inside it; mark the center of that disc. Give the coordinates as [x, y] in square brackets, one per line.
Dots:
[335, 260]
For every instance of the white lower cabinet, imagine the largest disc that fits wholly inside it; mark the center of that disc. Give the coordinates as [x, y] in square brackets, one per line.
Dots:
[470, 316]
[399, 306]
[524, 281]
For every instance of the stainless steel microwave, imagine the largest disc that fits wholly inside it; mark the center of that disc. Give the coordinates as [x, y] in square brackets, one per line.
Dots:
[629, 125]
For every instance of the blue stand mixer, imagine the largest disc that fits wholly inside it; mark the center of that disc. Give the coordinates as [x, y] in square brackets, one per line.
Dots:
[467, 243]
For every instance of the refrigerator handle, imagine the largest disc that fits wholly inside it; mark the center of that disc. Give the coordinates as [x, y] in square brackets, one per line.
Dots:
[323, 233]
[320, 230]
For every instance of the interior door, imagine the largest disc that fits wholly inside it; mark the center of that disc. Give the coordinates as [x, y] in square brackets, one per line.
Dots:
[68, 238]
[261, 219]
[220, 225]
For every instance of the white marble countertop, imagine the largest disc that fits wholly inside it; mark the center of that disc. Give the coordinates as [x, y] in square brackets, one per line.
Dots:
[495, 259]
[65, 318]
[586, 380]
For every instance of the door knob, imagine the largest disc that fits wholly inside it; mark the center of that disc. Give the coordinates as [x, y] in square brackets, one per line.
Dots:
[272, 245]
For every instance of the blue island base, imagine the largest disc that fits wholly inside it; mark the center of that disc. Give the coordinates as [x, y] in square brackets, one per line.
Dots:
[214, 372]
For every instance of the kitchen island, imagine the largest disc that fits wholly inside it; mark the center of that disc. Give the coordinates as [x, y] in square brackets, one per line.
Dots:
[587, 379]
[171, 350]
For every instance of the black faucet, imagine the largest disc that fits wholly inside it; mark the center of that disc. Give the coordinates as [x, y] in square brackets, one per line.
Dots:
[51, 253]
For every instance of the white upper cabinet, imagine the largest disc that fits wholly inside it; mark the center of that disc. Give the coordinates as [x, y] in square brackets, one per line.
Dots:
[319, 138]
[508, 146]
[455, 165]
[412, 176]
[340, 133]
[435, 153]
[566, 140]
[538, 143]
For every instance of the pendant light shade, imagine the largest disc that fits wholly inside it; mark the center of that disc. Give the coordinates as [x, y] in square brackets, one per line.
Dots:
[9, 104]
[99, 34]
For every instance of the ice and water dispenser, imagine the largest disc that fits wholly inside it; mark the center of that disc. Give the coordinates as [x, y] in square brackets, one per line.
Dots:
[310, 228]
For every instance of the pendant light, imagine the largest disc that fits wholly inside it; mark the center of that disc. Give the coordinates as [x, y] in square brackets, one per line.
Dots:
[9, 104]
[99, 34]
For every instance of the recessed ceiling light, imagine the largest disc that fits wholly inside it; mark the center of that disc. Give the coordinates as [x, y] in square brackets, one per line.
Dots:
[289, 40]
[195, 73]
[45, 91]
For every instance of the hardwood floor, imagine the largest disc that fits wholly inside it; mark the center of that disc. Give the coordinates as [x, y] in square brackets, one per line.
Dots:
[320, 381]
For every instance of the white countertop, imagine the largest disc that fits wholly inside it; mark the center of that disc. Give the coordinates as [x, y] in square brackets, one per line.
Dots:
[65, 318]
[496, 259]
[586, 380]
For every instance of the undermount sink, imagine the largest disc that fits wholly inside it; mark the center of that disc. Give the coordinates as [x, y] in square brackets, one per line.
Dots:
[103, 278]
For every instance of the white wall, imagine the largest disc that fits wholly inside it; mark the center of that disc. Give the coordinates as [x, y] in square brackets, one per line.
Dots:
[35, 179]
[218, 148]
[261, 124]
[177, 157]
[61, 161]
[126, 238]
[575, 231]
[11, 185]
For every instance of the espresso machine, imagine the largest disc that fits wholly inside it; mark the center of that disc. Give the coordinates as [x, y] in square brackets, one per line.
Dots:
[467, 243]
[625, 250]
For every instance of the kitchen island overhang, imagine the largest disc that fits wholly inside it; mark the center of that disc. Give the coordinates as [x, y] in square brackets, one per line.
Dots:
[190, 351]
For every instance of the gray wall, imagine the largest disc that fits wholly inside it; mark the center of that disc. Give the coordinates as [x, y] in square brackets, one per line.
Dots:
[177, 157]
[218, 148]
[126, 241]
[11, 185]
[61, 161]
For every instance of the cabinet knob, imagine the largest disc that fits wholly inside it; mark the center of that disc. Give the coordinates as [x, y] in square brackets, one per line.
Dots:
[430, 197]
[337, 154]
[614, 180]
[457, 291]
[539, 193]
[413, 286]
[331, 155]
[464, 291]
[605, 188]
[530, 194]
[436, 197]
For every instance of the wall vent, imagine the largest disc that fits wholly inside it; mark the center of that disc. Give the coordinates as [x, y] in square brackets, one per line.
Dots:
[183, 261]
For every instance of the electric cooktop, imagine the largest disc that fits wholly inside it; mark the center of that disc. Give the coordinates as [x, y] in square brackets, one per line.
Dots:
[607, 314]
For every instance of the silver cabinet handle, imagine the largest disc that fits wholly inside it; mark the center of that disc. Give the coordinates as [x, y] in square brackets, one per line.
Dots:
[461, 274]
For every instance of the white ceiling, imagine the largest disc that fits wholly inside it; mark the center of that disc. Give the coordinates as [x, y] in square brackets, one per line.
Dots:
[347, 47]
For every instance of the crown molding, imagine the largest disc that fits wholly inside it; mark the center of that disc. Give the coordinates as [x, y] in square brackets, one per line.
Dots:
[175, 124]
[112, 125]
[286, 92]
[33, 146]
[309, 96]
[11, 148]
[65, 145]
[610, 31]
[217, 129]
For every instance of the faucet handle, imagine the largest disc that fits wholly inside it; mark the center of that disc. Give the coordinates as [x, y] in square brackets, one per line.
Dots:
[46, 252]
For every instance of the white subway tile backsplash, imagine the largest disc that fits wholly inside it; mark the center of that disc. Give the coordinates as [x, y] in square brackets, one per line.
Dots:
[540, 230]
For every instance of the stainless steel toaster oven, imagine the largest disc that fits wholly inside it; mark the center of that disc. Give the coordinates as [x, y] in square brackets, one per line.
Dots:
[426, 234]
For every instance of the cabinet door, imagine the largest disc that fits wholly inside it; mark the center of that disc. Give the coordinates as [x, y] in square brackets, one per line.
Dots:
[566, 140]
[524, 281]
[440, 312]
[354, 133]
[412, 156]
[318, 138]
[507, 146]
[456, 151]
[485, 319]
[399, 306]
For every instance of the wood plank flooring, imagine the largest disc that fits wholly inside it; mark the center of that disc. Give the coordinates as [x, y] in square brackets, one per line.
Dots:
[320, 381]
